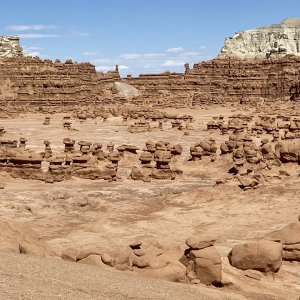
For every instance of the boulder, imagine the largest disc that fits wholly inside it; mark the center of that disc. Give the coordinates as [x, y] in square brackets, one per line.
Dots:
[263, 256]
[289, 236]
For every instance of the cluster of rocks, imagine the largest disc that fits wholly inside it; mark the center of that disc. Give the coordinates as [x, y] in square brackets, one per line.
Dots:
[280, 127]
[139, 126]
[151, 114]
[20, 162]
[199, 261]
[236, 124]
[155, 162]
[204, 148]
[90, 162]
[250, 160]
[253, 160]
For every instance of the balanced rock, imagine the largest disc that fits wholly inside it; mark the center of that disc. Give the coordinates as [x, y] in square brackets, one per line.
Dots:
[203, 261]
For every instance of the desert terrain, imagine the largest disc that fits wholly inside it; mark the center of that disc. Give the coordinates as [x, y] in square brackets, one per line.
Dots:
[176, 185]
[100, 216]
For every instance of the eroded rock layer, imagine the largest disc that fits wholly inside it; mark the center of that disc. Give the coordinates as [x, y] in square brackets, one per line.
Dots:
[28, 80]
[223, 80]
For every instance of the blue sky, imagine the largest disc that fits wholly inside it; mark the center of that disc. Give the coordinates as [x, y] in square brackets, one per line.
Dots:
[142, 36]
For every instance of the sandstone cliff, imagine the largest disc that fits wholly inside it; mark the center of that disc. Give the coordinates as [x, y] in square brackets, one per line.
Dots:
[278, 39]
[10, 46]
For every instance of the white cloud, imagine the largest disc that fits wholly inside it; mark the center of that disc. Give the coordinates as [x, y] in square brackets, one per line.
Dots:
[130, 56]
[149, 66]
[152, 62]
[74, 32]
[175, 50]
[32, 48]
[102, 61]
[190, 53]
[105, 68]
[123, 67]
[153, 55]
[30, 27]
[37, 35]
[33, 53]
[172, 63]
[89, 53]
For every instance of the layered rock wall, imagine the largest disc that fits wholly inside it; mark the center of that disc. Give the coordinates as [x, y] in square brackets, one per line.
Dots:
[254, 67]
[223, 80]
[32, 81]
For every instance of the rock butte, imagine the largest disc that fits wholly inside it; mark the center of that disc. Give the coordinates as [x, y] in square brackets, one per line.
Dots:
[187, 177]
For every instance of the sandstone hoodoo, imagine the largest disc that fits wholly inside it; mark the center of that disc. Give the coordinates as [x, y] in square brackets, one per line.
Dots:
[111, 174]
[203, 261]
